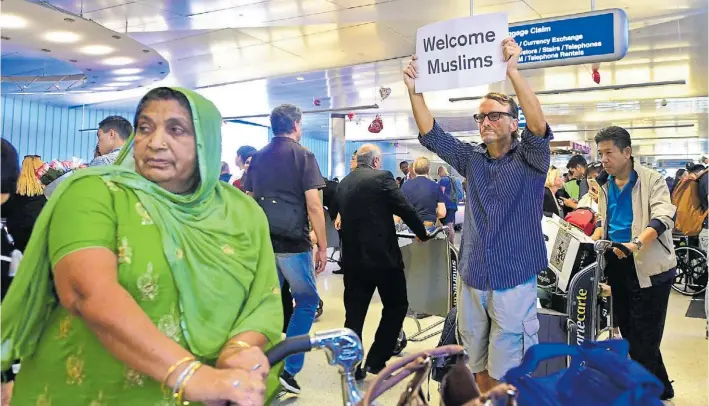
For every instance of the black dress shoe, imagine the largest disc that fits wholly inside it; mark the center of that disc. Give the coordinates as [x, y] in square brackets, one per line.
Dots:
[361, 373]
[339, 272]
[669, 392]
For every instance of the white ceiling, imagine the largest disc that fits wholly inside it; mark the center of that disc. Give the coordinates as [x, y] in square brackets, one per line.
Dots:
[248, 55]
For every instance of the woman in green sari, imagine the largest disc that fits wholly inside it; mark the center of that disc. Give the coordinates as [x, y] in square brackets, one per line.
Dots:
[146, 272]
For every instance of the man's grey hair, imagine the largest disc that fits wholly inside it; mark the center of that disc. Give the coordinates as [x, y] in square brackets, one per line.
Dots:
[367, 153]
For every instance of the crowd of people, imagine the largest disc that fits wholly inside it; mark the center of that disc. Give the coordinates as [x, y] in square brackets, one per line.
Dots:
[156, 275]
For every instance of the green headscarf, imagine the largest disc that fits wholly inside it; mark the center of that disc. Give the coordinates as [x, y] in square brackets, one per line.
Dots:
[197, 224]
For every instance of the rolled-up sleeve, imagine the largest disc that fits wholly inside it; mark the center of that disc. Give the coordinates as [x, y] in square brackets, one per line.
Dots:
[263, 311]
[453, 151]
[536, 150]
[662, 211]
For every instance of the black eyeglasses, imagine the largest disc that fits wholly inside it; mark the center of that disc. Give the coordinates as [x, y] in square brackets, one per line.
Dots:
[494, 116]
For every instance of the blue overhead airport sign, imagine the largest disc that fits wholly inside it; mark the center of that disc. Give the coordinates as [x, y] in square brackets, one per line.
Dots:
[597, 36]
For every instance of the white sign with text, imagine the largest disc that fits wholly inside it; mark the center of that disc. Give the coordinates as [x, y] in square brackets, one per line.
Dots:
[463, 52]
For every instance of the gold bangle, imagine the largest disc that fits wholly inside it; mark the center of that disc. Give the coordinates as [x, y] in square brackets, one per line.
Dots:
[172, 369]
[178, 396]
[238, 344]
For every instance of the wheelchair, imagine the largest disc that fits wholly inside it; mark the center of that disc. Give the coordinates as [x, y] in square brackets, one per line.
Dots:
[692, 274]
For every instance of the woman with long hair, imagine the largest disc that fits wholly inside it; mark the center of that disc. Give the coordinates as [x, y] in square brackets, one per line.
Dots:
[24, 206]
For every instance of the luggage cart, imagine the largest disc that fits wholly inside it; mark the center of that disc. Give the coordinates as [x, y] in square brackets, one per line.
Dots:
[430, 291]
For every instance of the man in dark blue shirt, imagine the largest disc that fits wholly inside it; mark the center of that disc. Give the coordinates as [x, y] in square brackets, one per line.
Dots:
[424, 194]
[503, 245]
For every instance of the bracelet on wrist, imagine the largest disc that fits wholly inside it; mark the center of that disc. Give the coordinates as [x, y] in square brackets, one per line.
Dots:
[179, 393]
[174, 367]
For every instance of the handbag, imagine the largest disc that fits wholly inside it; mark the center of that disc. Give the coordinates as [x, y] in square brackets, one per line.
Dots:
[584, 219]
[286, 219]
[457, 388]
[599, 373]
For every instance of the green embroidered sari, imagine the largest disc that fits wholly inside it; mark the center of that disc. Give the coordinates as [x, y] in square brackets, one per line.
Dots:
[201, 266]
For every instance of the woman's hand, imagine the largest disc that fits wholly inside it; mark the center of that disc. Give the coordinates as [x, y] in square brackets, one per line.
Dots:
[250, 359]
[219, 386]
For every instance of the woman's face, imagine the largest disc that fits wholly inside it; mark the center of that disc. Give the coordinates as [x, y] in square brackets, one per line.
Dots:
[165, 148]
[558, 182]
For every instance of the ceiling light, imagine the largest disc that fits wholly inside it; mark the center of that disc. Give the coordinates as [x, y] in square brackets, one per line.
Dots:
[299, 78]
[127, 71]
[116, 84]
[96, 50]
[127, 78]
[12, 21]
[64, 37]
[118, 60]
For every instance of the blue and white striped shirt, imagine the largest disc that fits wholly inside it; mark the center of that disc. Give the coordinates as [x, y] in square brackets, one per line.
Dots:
[503, 245]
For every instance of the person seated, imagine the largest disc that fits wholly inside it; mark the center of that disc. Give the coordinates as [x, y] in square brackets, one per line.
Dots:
[425, 195]
[165, 278]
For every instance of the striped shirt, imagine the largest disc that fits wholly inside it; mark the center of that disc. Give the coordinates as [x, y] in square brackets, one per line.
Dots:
[108, 159]
[503, 245]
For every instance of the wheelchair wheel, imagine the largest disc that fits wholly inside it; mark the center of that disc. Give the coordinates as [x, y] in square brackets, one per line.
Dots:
[692, 275]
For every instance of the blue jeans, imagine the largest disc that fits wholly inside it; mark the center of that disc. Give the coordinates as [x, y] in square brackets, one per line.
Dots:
[299, 270]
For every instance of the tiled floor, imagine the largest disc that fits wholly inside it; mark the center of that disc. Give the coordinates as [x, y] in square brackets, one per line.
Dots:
[684, 351]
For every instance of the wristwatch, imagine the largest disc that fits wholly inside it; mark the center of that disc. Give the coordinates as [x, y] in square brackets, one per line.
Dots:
[637, 242]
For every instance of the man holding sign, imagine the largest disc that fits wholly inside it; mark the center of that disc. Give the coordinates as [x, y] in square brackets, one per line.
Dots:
[503, 245]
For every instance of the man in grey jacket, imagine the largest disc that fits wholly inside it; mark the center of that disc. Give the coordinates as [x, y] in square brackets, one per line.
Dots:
[637, 211]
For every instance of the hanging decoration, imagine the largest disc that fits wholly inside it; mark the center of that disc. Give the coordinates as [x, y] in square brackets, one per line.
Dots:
[376, 126]
[384, 92]
[316, 102]
[350, 116]
[596, 75]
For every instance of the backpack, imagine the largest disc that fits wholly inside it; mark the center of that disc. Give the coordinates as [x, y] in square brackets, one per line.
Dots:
[690, 214]
[442, 365]
[584, 219]
[454, 192]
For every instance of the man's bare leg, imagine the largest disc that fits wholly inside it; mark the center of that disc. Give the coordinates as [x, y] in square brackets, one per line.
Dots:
[485, 381]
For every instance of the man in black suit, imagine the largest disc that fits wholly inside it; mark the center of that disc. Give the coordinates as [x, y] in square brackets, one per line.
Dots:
[368, 199]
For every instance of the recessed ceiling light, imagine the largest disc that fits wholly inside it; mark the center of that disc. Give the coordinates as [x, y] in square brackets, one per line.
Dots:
[96, 50]
[127, 71]
[300, 78]
[146, 50]
[5, 38]
[12, 21]
[46, 50]
[116, 36]
[64, 37]
[118, 60]
[127, 78]
[69, 20]
[73, 60]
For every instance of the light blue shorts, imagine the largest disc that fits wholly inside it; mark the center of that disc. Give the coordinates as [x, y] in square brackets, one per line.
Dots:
[496, 327]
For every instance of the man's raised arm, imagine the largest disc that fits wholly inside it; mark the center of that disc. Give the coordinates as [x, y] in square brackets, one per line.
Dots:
[452, 150]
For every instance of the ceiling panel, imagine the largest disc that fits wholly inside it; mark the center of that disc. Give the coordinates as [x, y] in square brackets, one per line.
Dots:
[218, 44]
[128, 15]
[279, 33]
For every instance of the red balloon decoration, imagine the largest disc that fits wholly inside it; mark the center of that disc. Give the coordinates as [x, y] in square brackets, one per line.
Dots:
[376, 126]
[596, 77]
[316, 102]
[350, 116]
